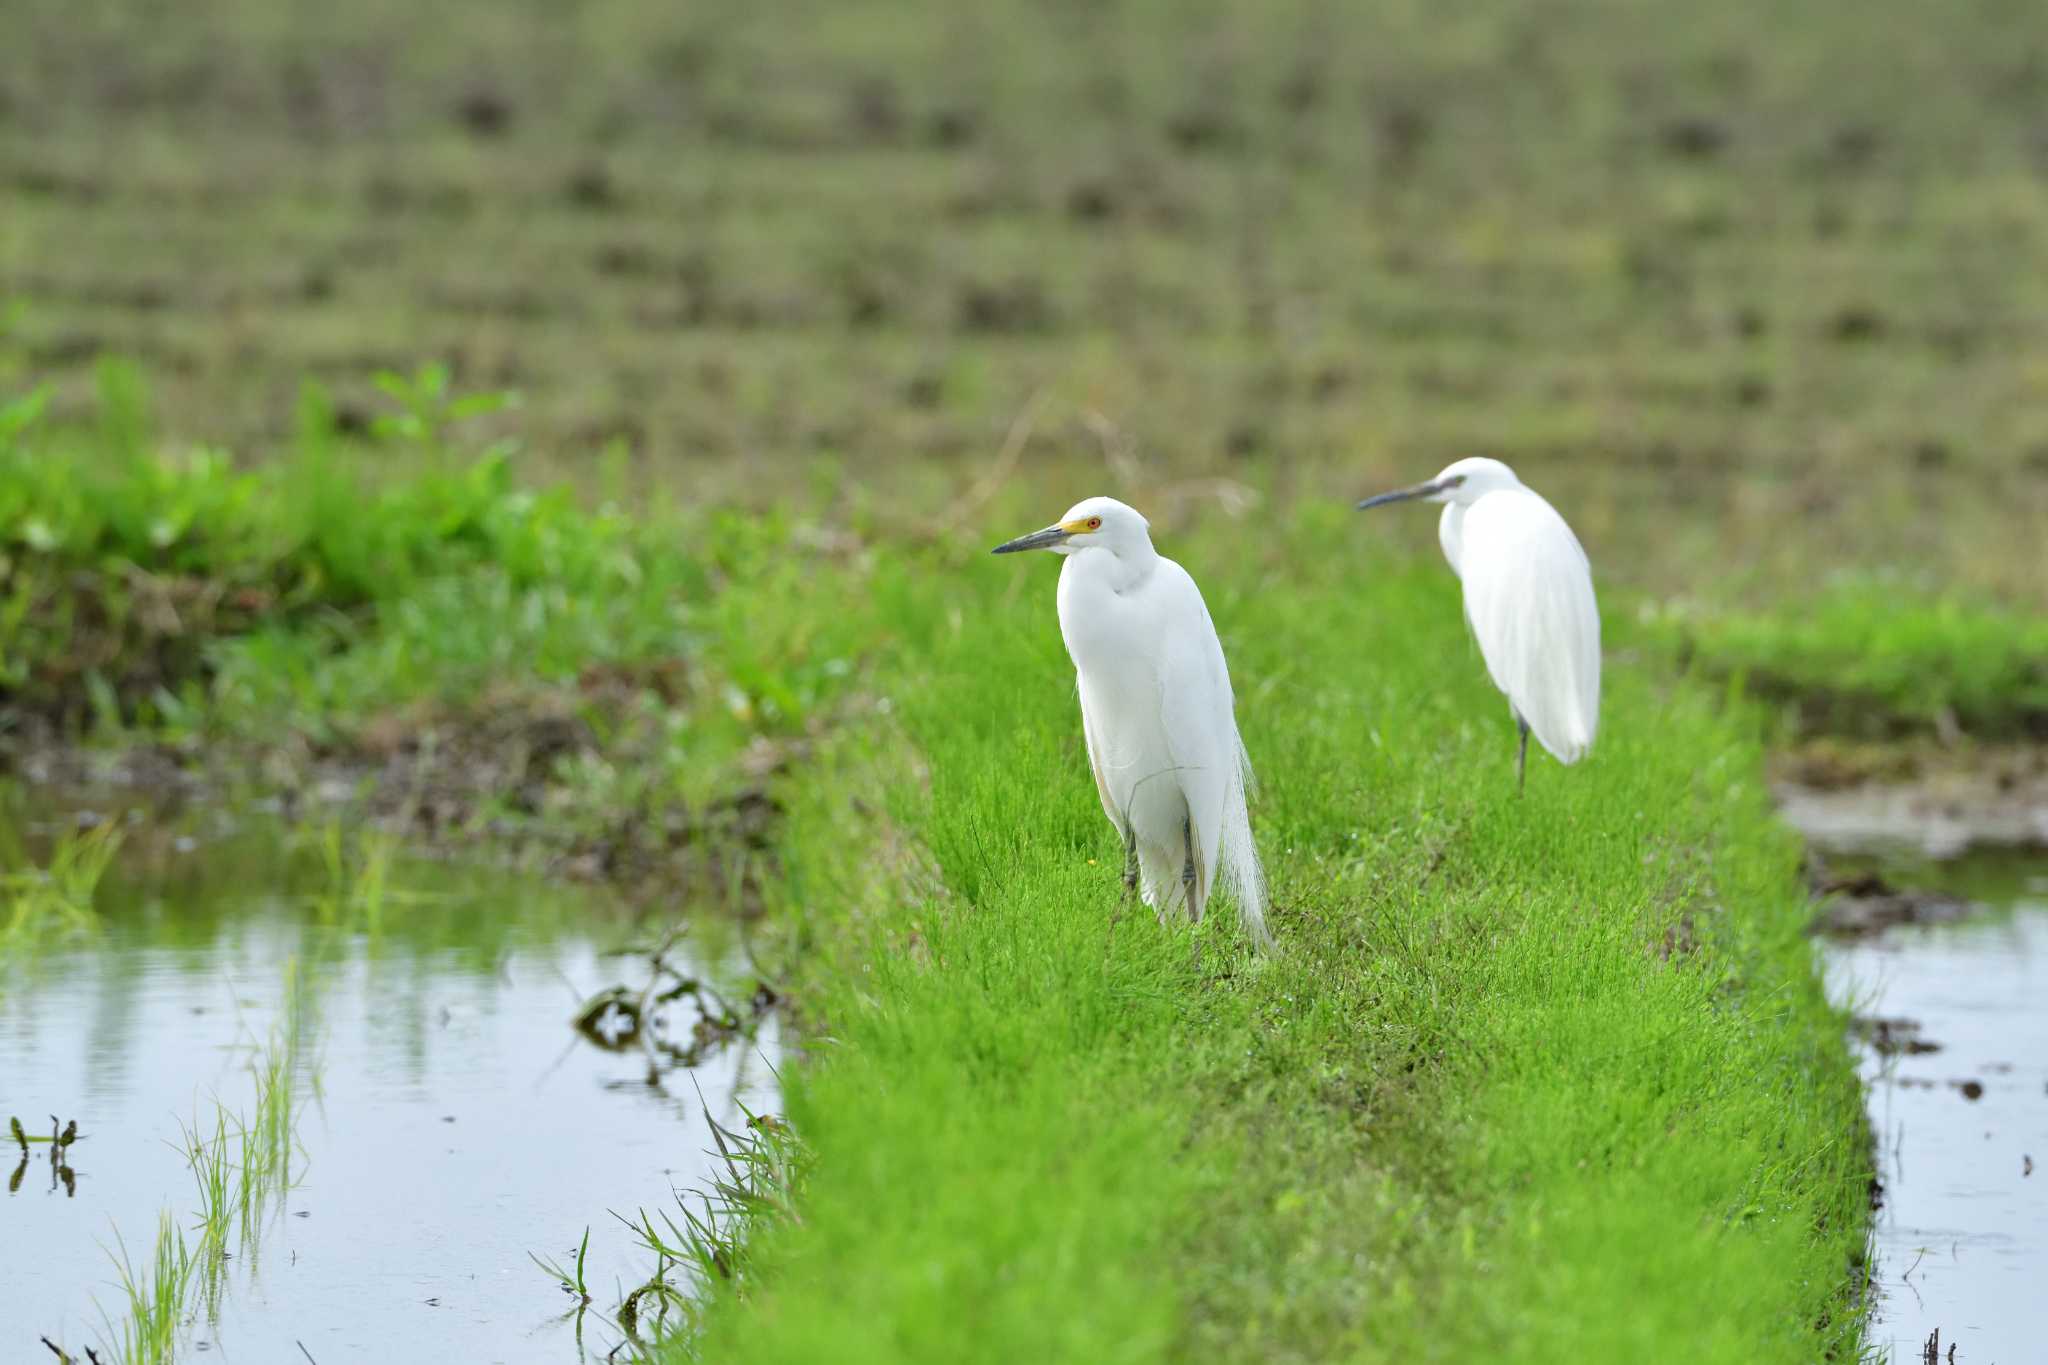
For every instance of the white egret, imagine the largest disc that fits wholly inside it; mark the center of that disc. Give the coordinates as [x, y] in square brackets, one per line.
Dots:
[1156, 712]
[1529, 598]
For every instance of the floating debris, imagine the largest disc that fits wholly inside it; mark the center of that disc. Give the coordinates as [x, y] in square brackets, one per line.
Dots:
[620, 1018]
[62, 1135]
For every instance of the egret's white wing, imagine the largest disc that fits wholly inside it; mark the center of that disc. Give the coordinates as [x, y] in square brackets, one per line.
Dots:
[1110, 804]
[1195, 708]
[1200, 718]
[1529, 597]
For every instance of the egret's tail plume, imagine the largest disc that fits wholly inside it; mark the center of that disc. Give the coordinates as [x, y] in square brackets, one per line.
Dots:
[1237, 861]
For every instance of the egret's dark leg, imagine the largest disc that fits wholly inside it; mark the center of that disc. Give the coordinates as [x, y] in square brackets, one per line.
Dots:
[1521, 754]
[1187, 868]
[1130, 877]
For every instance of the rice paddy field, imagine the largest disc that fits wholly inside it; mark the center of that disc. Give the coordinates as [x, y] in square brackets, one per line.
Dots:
[500, 667]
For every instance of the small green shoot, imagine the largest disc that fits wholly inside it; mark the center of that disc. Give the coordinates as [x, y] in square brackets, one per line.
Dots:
[428, 406]
[571, 1282]
[147, 1333]
[241, 1168]
[761, 1174]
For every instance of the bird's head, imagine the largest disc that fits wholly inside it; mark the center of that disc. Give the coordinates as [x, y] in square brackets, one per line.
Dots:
[1094, 522]
[1463, 482]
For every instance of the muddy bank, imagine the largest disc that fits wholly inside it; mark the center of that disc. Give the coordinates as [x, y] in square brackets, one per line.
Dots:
[1864, 904]
[1865, 810]
[1935, 800]
[513, 782]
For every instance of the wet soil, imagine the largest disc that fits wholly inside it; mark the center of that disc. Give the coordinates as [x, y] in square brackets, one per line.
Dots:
[495, 781]
[1864, 904]
[1934, 800]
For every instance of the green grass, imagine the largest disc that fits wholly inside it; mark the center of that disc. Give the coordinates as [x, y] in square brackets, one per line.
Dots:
[1527, 1078]
[155, 1294]
[581, 672]
[359, 866]
[708, 1252]
[569, 1279]
[187, 549]
[216, 1182]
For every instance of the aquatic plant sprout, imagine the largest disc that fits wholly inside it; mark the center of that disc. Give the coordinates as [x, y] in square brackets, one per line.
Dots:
[147, 1333]
[242, 1165]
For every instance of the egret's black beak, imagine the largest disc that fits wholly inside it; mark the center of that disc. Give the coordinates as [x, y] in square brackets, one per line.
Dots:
[1037, 540]
[1420, 490]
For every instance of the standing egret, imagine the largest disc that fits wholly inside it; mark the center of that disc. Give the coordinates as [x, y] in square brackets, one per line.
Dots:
[1156, 712]
[1529, 597]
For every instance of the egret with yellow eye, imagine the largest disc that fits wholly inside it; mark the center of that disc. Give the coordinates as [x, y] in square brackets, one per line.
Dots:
[1157, 713]
[1529, 597]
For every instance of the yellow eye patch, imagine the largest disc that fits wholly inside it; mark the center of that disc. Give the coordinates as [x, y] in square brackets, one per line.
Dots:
[1081, 525]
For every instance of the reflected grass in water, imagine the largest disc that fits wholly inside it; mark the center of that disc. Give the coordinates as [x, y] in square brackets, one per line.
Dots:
[358, 866]
[241, 1168]
[55, 899]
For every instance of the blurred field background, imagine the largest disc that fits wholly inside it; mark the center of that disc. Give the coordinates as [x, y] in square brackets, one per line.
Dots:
[804, 305]
[1755, 292]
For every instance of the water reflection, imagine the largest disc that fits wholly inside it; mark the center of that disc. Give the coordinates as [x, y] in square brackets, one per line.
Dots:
[1954, 1048]
[58, 1152]
[454, 1120]
[673, 1017]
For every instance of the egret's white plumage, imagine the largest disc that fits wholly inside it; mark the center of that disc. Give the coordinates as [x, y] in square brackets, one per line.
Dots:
[1528, 596]
[1156, 710]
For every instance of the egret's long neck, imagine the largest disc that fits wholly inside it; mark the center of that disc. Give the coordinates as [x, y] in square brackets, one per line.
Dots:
[1450, 533]
[1119, 569]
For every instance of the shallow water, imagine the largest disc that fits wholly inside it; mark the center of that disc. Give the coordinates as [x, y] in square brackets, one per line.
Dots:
[452, 1121]
[1961, 1116]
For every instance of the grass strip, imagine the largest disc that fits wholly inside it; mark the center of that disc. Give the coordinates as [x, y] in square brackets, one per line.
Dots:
[1529, 1078]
